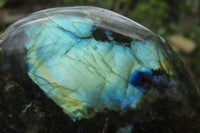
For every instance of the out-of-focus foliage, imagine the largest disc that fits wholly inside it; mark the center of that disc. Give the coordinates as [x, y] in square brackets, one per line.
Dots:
[165, 17]
[2, 2]
[195, 59]
[162, 16]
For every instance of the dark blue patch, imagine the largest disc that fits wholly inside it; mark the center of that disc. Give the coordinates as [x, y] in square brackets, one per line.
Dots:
[148, 79]
[28, 66]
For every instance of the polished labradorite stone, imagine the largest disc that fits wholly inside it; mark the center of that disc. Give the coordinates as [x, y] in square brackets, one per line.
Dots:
[87, 69]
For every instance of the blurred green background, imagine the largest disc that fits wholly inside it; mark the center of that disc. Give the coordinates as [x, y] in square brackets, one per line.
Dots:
[175, 20]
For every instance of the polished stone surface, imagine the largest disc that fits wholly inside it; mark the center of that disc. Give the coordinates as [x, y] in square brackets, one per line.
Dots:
[87, 69]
